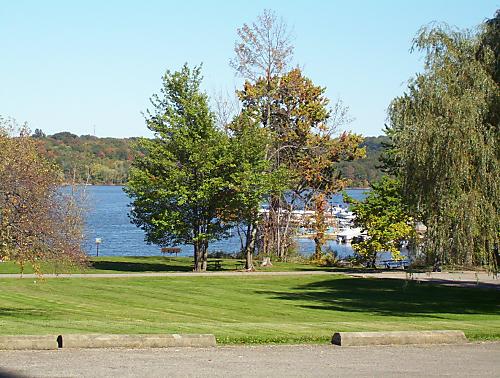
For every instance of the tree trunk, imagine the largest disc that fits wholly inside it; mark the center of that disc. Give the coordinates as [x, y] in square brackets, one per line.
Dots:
[374, 260]
[318, 245]
[274, 221]
[319, 224]
[285, 237]
[204, 255]
[266, 237]
[250, 246]
[197, 259]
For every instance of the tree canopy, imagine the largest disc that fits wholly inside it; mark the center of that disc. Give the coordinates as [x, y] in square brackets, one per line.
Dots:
[304, 144]
[38, 221]
[385, 218]
[251, 179]
[179, 187]
[264, 48]
[445, 145]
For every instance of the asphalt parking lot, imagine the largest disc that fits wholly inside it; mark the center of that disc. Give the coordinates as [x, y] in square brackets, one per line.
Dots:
[467, 360]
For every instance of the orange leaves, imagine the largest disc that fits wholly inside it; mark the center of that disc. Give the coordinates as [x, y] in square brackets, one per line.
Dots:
[36, 222]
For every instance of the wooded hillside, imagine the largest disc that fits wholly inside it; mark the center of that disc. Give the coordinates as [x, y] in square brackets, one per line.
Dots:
[87, 158]
[365, 171]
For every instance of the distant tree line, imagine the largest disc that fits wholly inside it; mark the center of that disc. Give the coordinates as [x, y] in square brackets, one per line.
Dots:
[88, 159]
[363, 172]
[94, 160]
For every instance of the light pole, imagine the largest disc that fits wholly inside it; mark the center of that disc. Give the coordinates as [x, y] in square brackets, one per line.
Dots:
[97, 242]
[420, 230]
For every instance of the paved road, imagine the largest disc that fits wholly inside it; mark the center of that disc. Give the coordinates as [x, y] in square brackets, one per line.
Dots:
[462, 279]
[172, 274]
[468, 360]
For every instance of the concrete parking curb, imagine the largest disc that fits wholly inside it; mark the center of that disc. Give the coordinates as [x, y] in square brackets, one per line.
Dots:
[137, 341]
[398, 338]
[25, 342]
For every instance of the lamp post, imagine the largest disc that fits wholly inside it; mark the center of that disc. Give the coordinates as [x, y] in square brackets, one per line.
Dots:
[420, 230]
[97, 242]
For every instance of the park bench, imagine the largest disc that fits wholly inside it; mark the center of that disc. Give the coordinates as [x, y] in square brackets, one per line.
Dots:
[394, 264]
[170, 251]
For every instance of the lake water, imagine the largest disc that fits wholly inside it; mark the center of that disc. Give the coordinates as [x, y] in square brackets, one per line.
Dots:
[107, 218]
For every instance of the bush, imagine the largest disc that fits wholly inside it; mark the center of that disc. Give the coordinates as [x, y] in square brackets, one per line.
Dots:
[330, 258]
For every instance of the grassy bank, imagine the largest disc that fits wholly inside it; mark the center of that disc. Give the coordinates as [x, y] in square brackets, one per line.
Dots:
[244, 309]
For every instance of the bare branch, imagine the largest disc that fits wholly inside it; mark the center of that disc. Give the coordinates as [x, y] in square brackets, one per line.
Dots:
[264, 49]
[227, 107]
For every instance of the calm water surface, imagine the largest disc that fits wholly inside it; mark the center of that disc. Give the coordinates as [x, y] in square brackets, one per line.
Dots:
[108, 219]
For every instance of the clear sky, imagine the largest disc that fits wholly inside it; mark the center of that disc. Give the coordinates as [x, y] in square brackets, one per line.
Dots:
[70, 66]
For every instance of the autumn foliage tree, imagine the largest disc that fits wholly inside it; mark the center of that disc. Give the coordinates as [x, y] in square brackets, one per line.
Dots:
[303, 149]
[38, 222]
[263, 48]
[321, 176]
[304, 144]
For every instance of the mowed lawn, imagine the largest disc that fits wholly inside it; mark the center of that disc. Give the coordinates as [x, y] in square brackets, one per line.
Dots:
[135, 264]
[244, 309]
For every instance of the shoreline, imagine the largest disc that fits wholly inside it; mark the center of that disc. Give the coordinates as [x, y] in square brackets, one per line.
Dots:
[104, 184]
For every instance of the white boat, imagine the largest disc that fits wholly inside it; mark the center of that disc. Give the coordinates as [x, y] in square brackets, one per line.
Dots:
[344, 214]
[345, 235]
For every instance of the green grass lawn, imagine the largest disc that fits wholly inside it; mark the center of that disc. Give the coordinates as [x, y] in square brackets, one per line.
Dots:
[131, 264]
[244, 309]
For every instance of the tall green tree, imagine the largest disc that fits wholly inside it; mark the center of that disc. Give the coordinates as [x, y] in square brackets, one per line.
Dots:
[179, 186]
[445, 145]
[385, 218]
[251, 180]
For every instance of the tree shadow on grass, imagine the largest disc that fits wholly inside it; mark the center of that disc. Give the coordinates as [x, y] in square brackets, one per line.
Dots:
[392, 297]
[6, 373]
[21, 312]
[347, 270]
[120, 266]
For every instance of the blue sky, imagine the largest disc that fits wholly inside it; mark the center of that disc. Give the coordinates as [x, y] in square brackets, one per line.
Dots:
[70, 66]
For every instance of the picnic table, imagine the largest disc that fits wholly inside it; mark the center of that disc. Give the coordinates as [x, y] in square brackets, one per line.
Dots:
[240, 264]
[215, 263]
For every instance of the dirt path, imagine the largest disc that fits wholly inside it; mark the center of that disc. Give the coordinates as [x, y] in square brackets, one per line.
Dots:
[468, 360]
